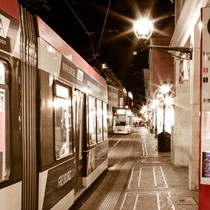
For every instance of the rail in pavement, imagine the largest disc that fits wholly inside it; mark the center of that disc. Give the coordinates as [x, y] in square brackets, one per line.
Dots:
[141, 178]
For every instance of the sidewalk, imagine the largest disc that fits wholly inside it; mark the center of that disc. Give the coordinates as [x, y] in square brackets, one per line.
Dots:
[141, 178]
[159, 177]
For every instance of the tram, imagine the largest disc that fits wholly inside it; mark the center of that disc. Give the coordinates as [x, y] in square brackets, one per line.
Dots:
[123, 121]
[53, 116]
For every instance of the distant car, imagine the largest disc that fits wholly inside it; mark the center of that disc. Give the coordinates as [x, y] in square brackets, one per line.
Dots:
[136, 123]
[141, 123]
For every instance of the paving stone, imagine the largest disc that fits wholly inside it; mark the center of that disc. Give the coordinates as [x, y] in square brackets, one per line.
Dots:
[140, 178]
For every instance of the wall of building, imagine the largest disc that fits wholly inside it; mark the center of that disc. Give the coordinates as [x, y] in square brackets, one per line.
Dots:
[182, 117]
[186, 127]
[161, 65]
[194, 110]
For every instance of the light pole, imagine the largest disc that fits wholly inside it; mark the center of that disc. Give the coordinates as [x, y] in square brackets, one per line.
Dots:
[164, 114]
[155, 104]
[164, 144]
[165, 88]
[139, 27]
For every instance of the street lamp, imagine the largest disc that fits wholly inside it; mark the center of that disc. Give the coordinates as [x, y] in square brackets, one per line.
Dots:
[165, 88]
[143, 29]
[164, 144]
[163, 95]
[160, 96]
[155, 104]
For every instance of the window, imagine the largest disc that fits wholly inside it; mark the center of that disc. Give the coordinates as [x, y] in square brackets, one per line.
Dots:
[99, 121]
[105, 115]
[92, 120]
[121, 123]
[62, 121]
[4, 118]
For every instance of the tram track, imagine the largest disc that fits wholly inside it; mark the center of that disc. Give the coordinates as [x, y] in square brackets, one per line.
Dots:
[123, 150]
[121, 158]
[108, 182]
[137, 178]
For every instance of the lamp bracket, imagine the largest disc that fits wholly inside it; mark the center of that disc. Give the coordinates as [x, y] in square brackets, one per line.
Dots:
[187, 50]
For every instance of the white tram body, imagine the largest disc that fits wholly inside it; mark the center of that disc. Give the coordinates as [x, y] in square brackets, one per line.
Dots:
[53, 116]
[122, 121]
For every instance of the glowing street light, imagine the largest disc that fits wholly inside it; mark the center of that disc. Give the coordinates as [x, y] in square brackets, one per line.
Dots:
[144, 109]
[143, 28]
[168, 101]
[155, 104]
[163, 93]
[162, 96]
[165, 88]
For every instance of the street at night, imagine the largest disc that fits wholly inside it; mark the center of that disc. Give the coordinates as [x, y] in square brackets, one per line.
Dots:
[140, 178]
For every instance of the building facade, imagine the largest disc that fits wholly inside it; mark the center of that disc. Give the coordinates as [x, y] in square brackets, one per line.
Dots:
[186, 80]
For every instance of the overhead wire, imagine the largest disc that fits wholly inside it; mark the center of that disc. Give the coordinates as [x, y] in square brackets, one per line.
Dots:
[86, 31]
[102, 33]
[127, 38]
[95, 55]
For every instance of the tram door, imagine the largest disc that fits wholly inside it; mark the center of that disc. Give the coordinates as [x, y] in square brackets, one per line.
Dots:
[79, 132]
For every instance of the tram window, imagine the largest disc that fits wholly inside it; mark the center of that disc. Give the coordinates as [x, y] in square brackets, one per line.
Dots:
[99, 121]
[62, 121]
[4, 118]
[92, 120]
[105, 131]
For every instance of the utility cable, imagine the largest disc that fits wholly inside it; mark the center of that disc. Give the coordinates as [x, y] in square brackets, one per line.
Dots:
[89, 34]
[127, 38]
[86, 31]
[107, 12]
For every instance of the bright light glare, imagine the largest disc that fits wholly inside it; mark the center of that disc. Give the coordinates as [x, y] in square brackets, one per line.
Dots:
[200, 25]
[2, 73]
[143, 28]
[155, 102]
[165, 88]
[59, 102]
[169, 101]
[144, 108]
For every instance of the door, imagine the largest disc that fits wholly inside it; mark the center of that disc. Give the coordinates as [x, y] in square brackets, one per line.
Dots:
[79, 126]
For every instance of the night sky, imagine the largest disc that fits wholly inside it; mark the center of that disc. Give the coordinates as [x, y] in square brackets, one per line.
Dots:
[101, 31]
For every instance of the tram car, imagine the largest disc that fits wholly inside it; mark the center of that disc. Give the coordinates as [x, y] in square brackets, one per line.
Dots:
[122, 120]
[53, 116]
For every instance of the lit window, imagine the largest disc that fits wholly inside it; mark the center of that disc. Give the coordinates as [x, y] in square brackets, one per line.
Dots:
[62, 121]
[99, 121]
[105, 114]
[92, 120]
[4, 142]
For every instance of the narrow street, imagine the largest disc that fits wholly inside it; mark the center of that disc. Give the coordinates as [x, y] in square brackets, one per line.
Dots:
[140, 178]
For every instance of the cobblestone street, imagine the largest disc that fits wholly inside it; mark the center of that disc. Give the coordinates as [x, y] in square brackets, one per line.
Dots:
[141, 178]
